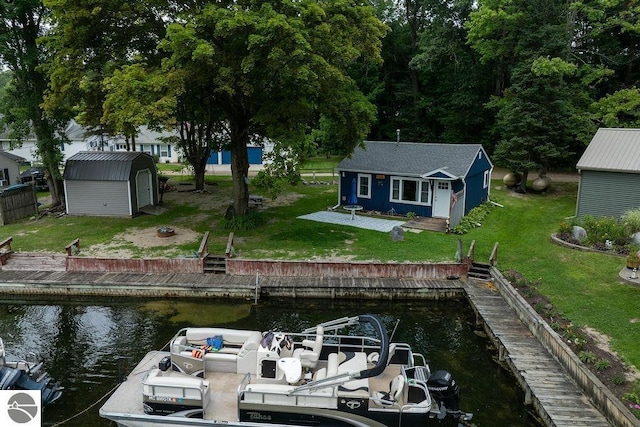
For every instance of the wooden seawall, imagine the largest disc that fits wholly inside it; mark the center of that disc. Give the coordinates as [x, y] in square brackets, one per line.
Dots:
[550, 387]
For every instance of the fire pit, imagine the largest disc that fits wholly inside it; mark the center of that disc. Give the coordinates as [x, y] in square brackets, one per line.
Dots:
[165, 232]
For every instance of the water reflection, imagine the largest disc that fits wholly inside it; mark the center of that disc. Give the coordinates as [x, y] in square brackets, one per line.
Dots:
[89, 344]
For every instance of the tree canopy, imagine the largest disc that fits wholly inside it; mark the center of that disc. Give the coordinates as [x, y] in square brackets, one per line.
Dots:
[531, 81]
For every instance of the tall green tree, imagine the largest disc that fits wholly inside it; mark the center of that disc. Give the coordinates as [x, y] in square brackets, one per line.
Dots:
[22, 23]
[453, 101]
[273, 69]
[92, 40]
[542, 102]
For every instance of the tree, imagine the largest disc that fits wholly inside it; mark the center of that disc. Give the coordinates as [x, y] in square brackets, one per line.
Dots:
[619, 110]
[21, 25]
[453, 101]
[272, 70]
[542, 110]
[92, 40]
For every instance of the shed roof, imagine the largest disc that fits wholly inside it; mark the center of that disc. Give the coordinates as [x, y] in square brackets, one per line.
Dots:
[12, 157]
[102, 165]
[412, 159]
[612, 149]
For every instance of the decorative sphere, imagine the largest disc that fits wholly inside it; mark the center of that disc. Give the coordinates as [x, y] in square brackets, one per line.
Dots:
[541, 183]
[511, 179]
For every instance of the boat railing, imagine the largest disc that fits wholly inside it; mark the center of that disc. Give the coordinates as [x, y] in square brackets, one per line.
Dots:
[241, 388]
[422, 361]
[335, 325]
[417, 376]
[325, 382]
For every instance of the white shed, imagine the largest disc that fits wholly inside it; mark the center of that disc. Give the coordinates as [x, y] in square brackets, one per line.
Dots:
[110, 183]
[10, 168]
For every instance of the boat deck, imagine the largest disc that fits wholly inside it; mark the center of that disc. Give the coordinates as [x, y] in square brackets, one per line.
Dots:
[223, 405]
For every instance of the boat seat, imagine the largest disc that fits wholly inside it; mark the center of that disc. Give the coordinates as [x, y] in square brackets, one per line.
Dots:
[373, 357]
[396, 388]
[310, 351]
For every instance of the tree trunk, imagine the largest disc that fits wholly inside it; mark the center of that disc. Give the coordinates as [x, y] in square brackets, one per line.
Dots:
[522, 188]
[240, 165]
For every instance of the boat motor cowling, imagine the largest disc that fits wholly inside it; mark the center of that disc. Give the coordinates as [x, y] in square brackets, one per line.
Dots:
[445, 390]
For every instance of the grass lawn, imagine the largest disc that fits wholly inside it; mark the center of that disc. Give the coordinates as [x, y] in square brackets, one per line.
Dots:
[583, 286]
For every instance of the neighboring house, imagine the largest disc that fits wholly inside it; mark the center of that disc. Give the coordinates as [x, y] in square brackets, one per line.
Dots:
[10, 168]
[110, 183]
[431, 180]
[147, 141]
[610, 174]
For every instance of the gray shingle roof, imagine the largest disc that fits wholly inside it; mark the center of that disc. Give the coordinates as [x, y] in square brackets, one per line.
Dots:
[12, 156]
[612, 149]
[411, 159]
[101, 165]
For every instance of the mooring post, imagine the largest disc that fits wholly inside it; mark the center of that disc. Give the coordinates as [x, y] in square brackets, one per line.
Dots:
[255, 301]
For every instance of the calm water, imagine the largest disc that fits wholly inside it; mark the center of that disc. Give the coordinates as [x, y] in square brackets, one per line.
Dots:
[89, 344]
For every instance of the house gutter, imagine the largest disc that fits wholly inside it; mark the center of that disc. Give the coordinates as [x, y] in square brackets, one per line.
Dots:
[333, 208]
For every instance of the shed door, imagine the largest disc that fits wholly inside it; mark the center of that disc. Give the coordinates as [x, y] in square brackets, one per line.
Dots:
[441, 199]
[143, 188]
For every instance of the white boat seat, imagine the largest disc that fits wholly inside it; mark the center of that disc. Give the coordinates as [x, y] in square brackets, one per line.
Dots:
[373, 357]
[310, 351]
[396, 388]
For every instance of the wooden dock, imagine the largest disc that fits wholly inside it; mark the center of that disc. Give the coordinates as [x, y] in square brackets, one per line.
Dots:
[547, 386]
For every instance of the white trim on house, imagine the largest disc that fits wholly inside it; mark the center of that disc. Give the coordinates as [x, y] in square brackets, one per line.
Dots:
[364, 186]
[421, 192]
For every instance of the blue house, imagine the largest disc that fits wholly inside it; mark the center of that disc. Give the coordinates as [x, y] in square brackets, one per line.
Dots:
[431, 180]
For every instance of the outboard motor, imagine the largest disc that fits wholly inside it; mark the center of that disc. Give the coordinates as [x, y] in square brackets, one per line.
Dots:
[445, 391]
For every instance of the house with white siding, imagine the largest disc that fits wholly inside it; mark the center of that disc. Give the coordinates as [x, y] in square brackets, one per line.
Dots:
[147, 141]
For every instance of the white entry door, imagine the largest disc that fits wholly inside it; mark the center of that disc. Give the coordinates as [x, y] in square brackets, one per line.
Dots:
[143, 188]
[441, 199]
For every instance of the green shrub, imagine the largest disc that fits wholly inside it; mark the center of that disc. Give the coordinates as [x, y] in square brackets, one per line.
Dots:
[587, 357]
[602, 364]
[473, 219]
[631, 221]
[601, 229]
[634, 398]
[564, 227]
[618, 379]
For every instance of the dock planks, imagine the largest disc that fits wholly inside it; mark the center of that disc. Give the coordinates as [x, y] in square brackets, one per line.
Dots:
[556, 398]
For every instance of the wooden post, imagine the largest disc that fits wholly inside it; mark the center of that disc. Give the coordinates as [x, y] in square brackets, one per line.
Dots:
[73, 248]
[494, 255]
[230, 249]
[203, 251]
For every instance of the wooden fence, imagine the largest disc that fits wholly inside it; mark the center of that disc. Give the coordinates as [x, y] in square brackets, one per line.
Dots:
[17, 203]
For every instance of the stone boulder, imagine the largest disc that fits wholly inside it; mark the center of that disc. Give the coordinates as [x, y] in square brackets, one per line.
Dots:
[396, 234]
[578, 233]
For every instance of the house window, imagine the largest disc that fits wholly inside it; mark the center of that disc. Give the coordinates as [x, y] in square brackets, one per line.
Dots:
[485, 180]
[164, 153]
[411, 191]
[364, 186]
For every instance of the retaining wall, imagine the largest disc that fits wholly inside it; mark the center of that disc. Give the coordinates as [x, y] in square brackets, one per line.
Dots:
[345, 269]
[139, 265]
[599, 394]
